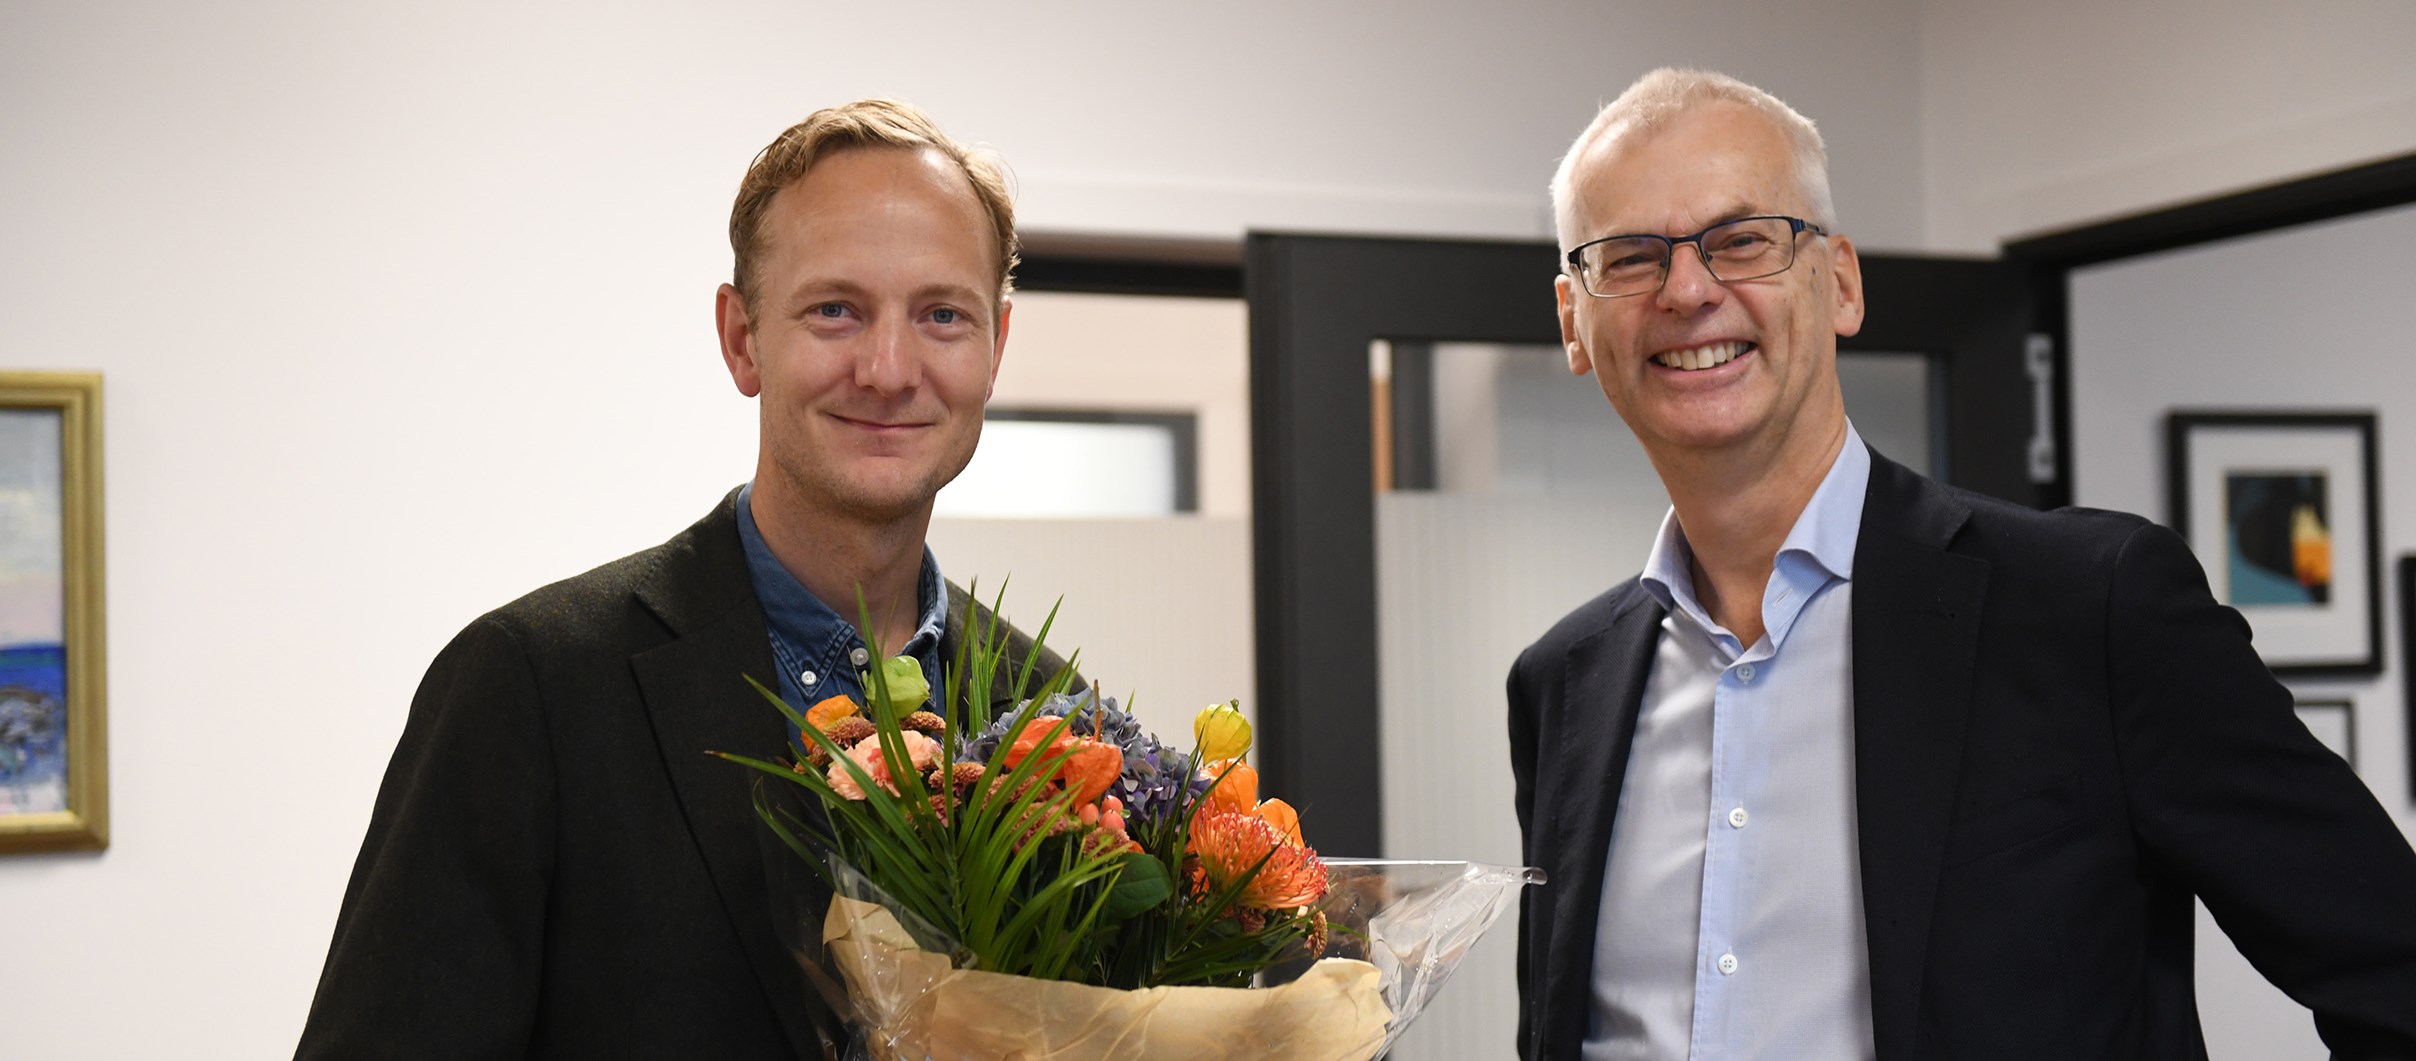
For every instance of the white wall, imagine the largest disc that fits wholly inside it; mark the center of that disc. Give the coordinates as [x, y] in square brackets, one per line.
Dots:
[2307, 318]
[2053, 113]
[404, 309]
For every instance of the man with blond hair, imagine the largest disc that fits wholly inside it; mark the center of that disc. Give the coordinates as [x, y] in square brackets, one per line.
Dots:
[554, 867]
[1865, 766]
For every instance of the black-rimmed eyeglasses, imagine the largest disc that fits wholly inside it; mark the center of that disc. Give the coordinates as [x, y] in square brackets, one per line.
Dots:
[1747, 248]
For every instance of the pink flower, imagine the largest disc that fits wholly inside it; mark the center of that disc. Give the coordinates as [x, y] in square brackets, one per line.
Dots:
[921, 751]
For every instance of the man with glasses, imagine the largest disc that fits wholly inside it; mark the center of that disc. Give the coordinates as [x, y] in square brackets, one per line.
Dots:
[1864, 766]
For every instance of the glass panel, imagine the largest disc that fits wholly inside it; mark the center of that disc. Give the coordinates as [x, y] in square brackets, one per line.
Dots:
[1540, 499]
[1089, 469]
[1895, 403]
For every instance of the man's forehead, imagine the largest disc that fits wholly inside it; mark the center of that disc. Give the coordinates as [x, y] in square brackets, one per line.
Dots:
[1713, 162]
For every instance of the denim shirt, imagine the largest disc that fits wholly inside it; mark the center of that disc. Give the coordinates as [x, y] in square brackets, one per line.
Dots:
[820, 653]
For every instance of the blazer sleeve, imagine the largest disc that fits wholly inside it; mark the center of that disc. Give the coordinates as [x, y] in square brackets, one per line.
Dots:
[2286, 846]
[1523, 710]
[438, 945]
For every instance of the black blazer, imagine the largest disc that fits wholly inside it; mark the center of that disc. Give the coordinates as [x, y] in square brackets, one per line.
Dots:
[554, 867]
[2059, 739]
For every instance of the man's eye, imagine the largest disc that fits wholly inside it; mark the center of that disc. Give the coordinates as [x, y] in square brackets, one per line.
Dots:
[829, 310]
[945, 315]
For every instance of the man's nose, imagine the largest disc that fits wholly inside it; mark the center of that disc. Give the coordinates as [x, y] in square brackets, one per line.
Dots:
[1689, 285]
[888, 363]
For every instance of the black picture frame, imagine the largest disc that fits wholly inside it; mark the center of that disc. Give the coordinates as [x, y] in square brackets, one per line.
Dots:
[2233, 479]
[2407, 657]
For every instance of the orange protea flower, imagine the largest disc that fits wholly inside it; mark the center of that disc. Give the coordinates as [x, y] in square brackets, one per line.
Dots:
[1226, 844]
[1237, 792]
[820, 716]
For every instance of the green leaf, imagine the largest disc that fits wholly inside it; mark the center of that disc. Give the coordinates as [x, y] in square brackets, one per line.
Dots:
[1141, 886]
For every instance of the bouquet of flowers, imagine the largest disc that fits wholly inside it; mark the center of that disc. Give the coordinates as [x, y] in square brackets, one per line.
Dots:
[1052, 881]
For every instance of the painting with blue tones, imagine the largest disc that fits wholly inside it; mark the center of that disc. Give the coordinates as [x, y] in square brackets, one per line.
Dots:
[2280, 536]
[33, 657]
[33, 728]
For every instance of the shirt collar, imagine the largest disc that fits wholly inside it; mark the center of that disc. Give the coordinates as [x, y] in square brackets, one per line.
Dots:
[810, 626]
[1819, 547]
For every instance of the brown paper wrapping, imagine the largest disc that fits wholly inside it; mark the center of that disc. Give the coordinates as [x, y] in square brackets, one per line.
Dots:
[915, 1006]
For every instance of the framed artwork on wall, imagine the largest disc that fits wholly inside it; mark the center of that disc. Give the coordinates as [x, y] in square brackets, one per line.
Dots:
[2281, 509]
[2407, 656]
[54, 763]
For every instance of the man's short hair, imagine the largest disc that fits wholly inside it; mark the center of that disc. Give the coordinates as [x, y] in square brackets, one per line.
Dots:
[1657, 99]
[862, 124]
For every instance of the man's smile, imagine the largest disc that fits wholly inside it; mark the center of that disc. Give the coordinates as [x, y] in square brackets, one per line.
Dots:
[880, 425]
[1706, 356]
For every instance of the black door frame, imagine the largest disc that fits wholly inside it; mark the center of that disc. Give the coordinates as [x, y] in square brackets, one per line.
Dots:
[1317, 302]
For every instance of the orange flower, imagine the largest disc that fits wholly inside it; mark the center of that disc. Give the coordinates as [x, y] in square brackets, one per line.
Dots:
[1094, 766]
[1286, 821]
[1087, 772]
[1034, 732]
[820, 716]
[1238, 791]
[921, 753]
[1226, 844]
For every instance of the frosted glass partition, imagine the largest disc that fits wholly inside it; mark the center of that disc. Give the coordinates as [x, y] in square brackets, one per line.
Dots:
[1542, 499]
[1463, 583]
[1894, 402]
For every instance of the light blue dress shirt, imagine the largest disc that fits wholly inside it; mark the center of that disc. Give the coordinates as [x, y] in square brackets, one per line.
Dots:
[1731, 925]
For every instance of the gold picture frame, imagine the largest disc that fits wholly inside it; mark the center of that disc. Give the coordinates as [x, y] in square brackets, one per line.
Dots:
[54, 733]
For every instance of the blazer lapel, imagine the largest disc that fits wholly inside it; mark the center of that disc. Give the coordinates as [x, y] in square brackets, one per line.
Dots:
[1588, 750]
[1916, 616]
[698, 701]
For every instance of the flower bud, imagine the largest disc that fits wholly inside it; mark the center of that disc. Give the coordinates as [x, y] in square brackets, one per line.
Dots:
[1220, 732]
[907, 688]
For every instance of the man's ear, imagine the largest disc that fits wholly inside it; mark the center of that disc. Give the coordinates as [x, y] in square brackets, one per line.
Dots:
[1845, 284]
[737, 340]
[998, 352]
[1580, 362]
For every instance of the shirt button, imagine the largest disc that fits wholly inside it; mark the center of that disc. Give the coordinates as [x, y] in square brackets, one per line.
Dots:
[858, 657]
[1744, 672]
[807, 678]
[1728, 965]
[1736, 818]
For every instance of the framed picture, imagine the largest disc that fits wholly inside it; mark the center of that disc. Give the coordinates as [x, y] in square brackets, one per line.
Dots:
[2335, 723]
[54, 763]
[2407, 656]
[2282, 511]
